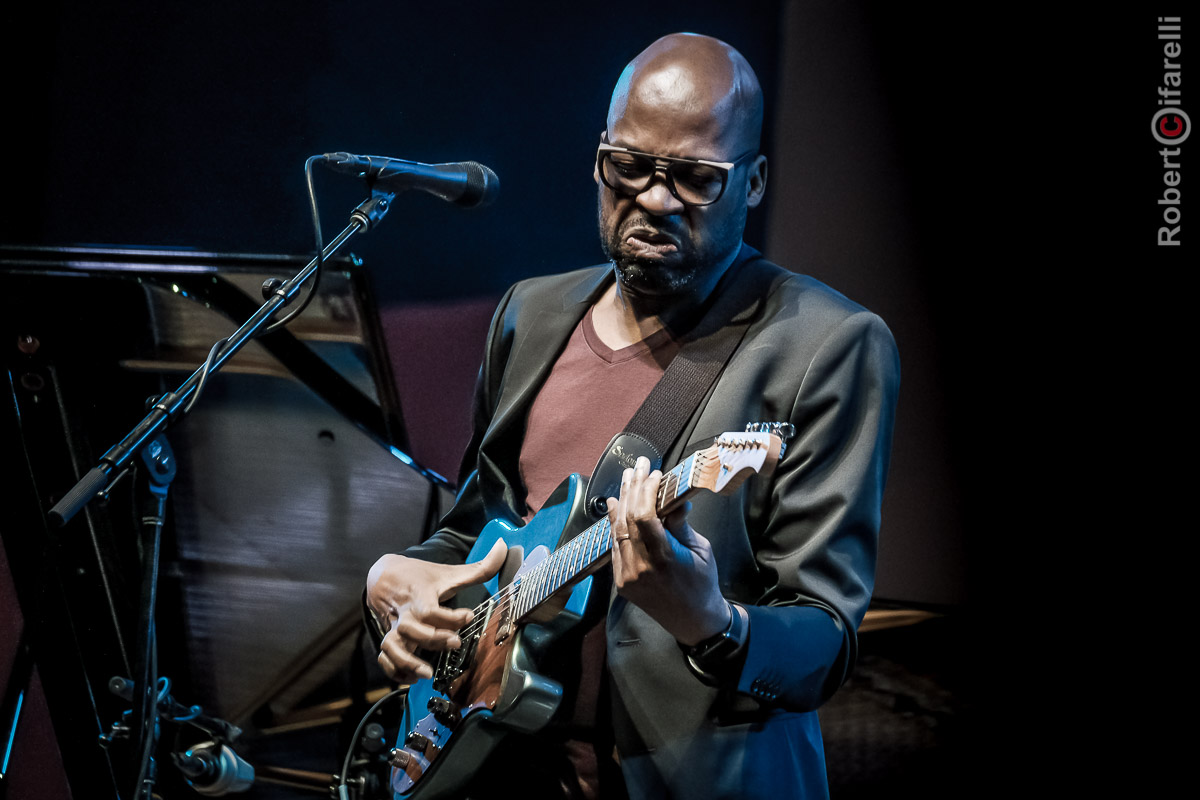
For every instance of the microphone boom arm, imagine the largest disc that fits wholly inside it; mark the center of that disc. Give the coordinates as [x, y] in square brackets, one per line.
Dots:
[167, 408]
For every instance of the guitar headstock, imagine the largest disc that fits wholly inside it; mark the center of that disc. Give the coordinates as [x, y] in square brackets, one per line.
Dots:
[734, 457]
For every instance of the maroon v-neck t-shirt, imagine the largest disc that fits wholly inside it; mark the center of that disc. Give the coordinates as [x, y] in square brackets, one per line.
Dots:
[591, 393]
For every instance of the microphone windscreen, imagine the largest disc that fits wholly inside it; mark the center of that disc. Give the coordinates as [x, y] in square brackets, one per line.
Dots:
[483, 186]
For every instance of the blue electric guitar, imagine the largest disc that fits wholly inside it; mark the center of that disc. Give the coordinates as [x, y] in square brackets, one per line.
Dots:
[490, 686]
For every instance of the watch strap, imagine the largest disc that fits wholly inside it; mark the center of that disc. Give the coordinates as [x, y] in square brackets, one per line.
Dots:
[718, 658]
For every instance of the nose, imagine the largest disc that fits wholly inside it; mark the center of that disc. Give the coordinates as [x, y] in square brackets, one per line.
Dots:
[657, 199]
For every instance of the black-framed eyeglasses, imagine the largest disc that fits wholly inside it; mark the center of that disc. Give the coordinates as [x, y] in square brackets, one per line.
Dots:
[693, 181]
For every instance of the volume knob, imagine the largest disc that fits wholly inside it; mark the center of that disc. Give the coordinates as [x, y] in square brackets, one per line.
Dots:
[417, 741]
[444, 711]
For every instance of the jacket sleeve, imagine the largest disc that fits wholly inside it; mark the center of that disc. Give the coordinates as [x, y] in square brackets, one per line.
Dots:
[817, 549]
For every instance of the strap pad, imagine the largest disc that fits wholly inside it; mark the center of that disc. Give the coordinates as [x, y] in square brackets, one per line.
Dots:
[620, 454]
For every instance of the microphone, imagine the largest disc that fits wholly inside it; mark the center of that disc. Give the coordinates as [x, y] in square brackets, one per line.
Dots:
[212, 769]
[466, 183]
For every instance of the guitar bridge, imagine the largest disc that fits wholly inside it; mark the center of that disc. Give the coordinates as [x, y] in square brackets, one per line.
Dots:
[454, 663]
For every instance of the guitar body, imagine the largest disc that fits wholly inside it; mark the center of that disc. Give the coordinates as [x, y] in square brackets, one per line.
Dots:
[489, 687]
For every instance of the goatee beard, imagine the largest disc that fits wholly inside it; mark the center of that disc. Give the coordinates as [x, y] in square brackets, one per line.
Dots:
[647, 276]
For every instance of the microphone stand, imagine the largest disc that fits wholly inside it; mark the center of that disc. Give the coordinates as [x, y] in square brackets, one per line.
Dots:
[165, 410]
[159, 461]
[146, 440]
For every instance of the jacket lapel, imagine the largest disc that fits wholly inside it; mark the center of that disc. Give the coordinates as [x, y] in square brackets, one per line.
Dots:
[540, 336]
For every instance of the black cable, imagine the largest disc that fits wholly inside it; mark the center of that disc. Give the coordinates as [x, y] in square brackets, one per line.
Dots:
[316, 279]
[362, 723]
[204, 371]
[295, 312]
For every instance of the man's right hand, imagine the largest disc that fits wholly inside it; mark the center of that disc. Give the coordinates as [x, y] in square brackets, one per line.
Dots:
[407, 595]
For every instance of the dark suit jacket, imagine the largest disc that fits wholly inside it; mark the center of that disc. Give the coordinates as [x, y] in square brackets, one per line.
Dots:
[797, 549]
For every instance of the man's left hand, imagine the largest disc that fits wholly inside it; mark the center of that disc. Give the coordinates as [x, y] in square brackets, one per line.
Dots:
[663, 566]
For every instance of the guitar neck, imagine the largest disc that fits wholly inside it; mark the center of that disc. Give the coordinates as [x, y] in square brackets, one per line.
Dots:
[592, 549]
[721, 468]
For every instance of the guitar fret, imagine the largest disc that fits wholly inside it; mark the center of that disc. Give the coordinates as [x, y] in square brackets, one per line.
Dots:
[560, 569]
[558, 559]
[564, 570]
[547, 580]
[573, 563]
[551, 575]
[576, 556]
[539, 574]
[669, 488]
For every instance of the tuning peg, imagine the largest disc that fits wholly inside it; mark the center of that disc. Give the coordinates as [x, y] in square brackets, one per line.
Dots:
[784, 430]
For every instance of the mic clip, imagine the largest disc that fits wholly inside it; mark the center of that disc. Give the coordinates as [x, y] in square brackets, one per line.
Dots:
[373, 209]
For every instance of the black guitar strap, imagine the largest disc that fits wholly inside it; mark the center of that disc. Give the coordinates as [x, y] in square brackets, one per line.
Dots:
[686, 381]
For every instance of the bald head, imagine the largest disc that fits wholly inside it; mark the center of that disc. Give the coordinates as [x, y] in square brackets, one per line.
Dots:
[694, 81]
[685, 98]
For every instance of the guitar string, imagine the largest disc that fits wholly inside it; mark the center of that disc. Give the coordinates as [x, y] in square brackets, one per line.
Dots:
[552, 568]
[565, 564]
[546, 573]
[504, 599]
[592, 537]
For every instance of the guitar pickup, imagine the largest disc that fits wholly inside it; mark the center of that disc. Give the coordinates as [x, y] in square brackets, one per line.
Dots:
[504, 626]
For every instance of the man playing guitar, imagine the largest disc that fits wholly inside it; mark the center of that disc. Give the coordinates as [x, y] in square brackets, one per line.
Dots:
[699, 673]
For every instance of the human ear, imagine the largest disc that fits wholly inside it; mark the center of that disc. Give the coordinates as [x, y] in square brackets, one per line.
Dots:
[757, 183]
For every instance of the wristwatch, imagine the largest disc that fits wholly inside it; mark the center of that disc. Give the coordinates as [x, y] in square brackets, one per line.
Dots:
[719, 658]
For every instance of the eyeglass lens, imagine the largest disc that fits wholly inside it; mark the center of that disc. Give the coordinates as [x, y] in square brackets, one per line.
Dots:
[695, 184]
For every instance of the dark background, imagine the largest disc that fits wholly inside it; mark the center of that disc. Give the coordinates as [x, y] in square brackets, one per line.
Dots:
[189, 126]
[982, 177]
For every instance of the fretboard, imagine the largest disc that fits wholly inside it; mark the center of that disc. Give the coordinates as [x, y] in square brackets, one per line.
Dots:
[592, 548]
